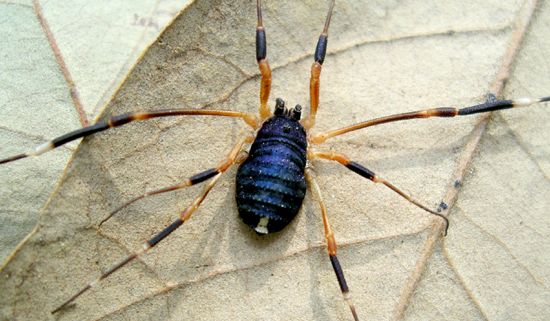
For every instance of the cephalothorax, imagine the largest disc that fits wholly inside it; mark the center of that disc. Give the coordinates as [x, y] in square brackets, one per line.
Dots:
[272, 179]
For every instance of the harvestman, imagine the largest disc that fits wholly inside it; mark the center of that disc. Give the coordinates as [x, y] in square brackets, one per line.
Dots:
[272, 178]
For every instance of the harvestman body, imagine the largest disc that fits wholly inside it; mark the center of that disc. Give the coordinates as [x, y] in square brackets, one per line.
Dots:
[271, 182]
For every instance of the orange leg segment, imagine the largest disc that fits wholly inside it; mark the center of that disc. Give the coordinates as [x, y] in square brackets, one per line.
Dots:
[331, 242]
[315, 78]
[263, 65]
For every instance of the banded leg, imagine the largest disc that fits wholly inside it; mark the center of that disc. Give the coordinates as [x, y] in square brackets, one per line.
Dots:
[224, 165]
[367, 173]
[263, 65]
[434, 112]
[331, 243]
[124, 119]
[314, 80]
[184, 216]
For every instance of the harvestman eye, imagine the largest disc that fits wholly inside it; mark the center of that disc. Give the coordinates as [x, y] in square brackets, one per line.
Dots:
[273, 177]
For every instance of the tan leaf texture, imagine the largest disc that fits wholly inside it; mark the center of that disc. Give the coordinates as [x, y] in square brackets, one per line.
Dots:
[384, 57]
[61, 61]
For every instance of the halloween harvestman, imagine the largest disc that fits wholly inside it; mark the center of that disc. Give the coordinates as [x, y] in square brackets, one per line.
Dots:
[273, 176]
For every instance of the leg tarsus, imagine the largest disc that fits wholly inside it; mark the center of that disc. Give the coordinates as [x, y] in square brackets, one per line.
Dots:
[331, 243]
[343, 285]
[368, 174]
[488, 106]
[184, 216]
[225, 164]
[124, 119]
[195, 179]
[315, 78]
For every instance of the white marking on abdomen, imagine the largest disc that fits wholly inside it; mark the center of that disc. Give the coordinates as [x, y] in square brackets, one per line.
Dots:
[262, 225]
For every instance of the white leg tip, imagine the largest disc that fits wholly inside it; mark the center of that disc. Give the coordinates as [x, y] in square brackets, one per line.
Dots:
[41, 149]
[523, 102]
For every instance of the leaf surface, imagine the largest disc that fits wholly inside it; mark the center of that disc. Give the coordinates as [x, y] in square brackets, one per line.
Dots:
[384, 57]
[61, 62]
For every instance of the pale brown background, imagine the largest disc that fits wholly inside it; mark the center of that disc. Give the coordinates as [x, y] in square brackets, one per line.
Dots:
[384, 57]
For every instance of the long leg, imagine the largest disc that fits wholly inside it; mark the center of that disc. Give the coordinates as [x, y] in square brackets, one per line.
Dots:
[367, 173]
[331, 243]
[314, 81]
[125, 119]
[184, 216]
[434, 112]
[263, 65]
[224, 165]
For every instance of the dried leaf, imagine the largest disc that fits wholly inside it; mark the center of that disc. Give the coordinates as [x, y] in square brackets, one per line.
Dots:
[96, 46]
[383, 58]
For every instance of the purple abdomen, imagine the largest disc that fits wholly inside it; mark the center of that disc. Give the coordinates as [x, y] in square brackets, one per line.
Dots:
[270, 183]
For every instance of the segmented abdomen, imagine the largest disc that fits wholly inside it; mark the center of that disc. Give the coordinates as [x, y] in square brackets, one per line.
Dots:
[270, 183]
